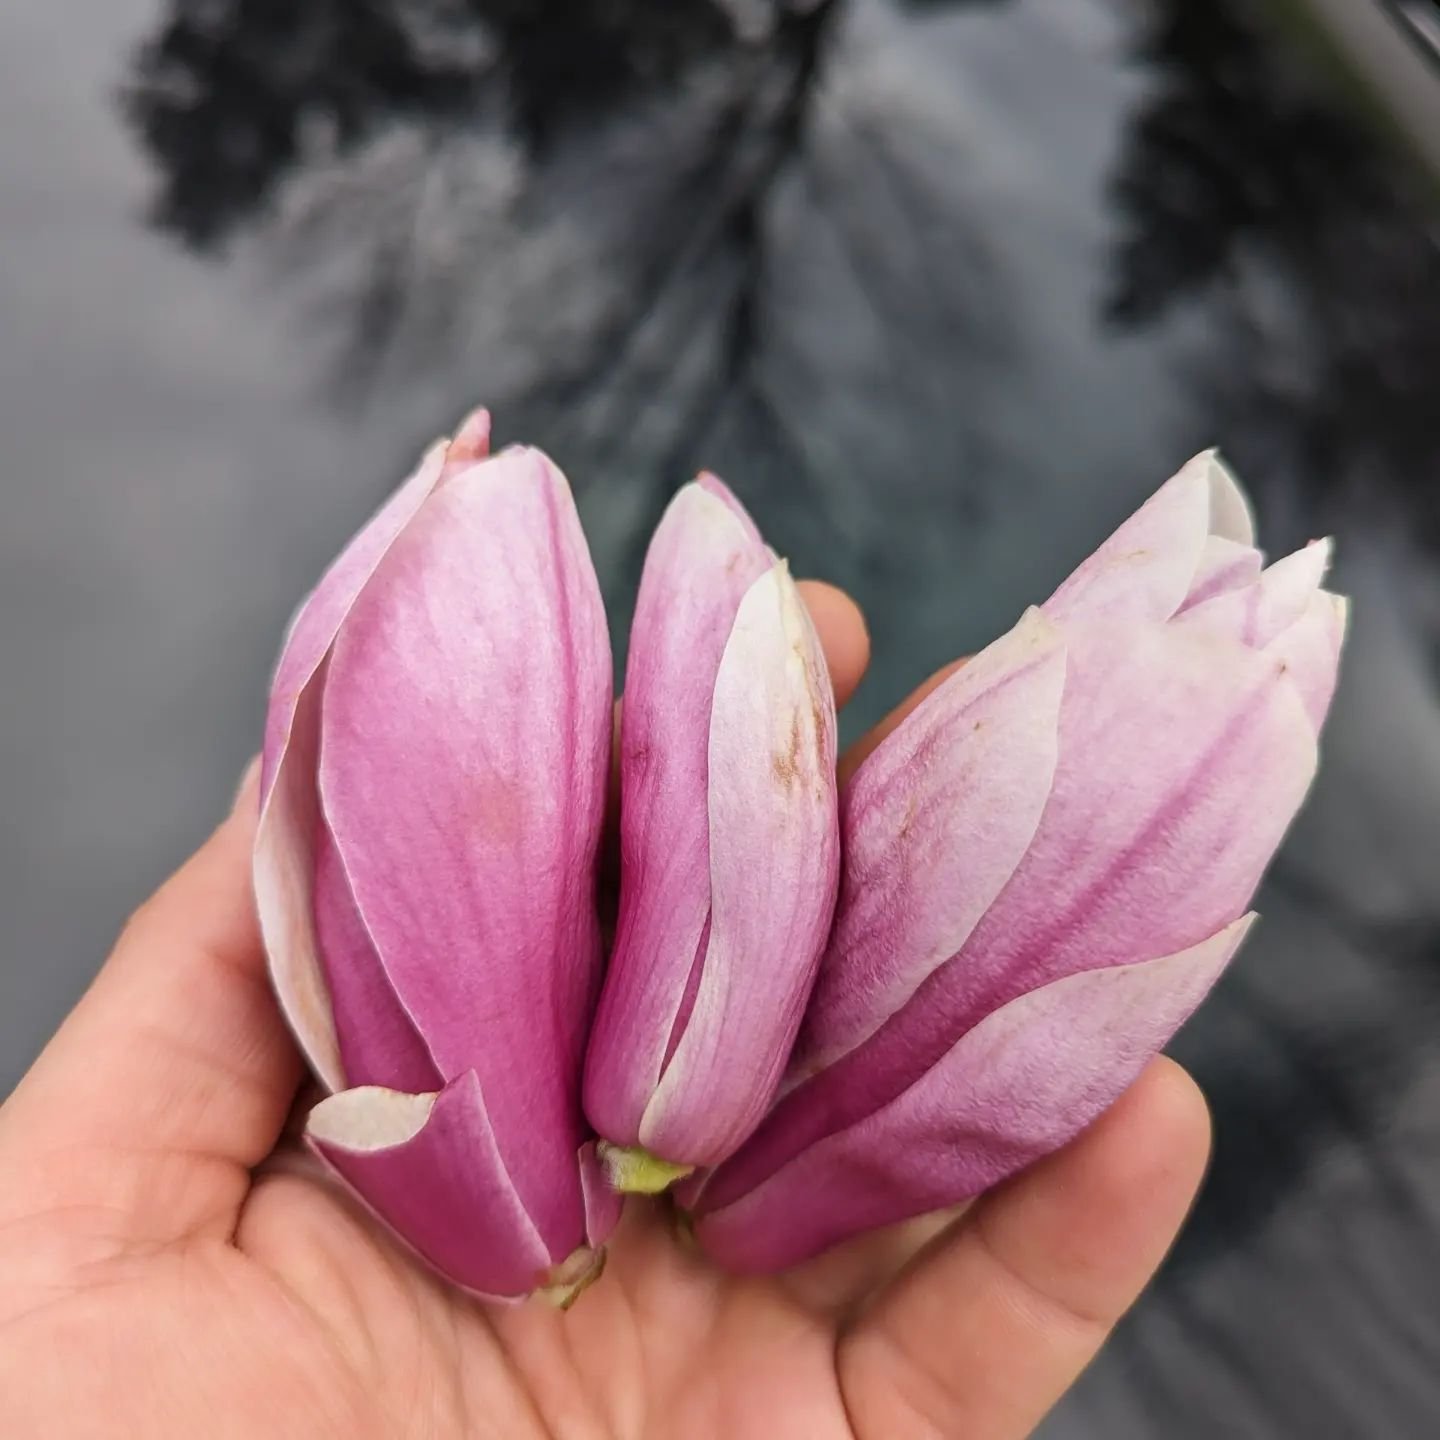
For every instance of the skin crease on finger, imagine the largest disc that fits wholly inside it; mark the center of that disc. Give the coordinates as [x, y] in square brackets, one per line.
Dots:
[149, 1287]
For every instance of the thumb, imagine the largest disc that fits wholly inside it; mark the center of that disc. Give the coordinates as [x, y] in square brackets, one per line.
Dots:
[173, 1075]
[991, 1325]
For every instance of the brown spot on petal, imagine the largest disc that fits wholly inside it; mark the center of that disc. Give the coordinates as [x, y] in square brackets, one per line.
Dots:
[910, 807]
[786, 765]
[815, 691]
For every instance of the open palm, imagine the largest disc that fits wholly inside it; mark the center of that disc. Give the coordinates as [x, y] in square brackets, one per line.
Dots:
[172, 1265]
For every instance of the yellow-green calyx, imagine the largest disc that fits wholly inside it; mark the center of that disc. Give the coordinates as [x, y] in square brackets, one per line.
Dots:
[635, 1171]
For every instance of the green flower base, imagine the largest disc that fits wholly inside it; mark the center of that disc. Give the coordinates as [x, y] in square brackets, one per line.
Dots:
[635, 1171]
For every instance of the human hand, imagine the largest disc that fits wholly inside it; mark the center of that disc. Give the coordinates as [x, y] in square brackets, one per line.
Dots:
[172, 1265]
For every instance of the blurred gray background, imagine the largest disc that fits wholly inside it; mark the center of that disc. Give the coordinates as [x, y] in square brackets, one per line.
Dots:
[942, 288]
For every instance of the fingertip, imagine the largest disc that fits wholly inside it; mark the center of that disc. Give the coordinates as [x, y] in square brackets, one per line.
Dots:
[1149, 1150]
[844, 636]
[990, 1325]
[1174, 1108]
[1091, 1223]
[860, 751]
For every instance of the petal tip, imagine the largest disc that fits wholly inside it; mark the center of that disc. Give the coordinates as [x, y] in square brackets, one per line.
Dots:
[1341, 605]
[1231, 517]
[368, 1118]
[470, 445]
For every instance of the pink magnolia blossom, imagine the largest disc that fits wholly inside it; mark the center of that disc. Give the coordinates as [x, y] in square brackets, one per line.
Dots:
[729, 846]
[1046, 867]
[435, 764]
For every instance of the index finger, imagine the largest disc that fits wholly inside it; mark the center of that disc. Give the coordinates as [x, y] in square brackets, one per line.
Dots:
[851, 760]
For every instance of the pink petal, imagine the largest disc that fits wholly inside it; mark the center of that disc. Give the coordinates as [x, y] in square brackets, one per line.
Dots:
[1255, 614]
[774, 858]
[471, 444]
[318, 620]
[289, 815]
[284, 875]
[603, 1203]
[379, 1043]
[284, 852]
[1182, 763]
[1230, 515]
[714, 485]
[430, 1168]
[319, 617]
[933, 825]
[1310, 652]
[1146, 568]
[1224, 565]
[463, 771]
[704, 556]
[1024, 1081]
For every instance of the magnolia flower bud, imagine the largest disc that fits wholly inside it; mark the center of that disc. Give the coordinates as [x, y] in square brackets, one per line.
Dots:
[729, 847]
[1047, 865]
[434, 783]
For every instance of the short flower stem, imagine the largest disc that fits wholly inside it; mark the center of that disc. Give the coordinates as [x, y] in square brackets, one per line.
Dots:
[568, 1281]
